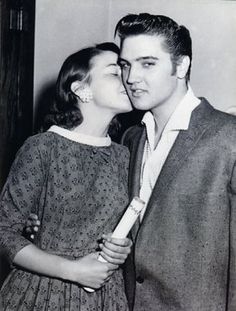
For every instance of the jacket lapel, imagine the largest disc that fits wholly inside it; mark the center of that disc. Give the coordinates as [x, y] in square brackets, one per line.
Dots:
[136, 155]
[136, 162]
[183, 146]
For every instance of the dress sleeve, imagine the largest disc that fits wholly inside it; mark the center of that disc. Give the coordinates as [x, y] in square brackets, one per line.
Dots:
[20, 196]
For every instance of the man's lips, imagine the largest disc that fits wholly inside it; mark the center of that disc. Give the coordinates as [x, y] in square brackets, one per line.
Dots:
[137, 92]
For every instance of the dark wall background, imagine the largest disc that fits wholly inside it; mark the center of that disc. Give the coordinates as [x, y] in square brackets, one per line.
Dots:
[16, 84]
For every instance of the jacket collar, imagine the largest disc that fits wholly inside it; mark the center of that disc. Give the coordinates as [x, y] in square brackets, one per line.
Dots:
[183, 146]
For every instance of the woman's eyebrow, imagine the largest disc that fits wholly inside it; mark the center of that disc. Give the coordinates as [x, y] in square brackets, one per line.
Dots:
[111, 65]
[121, 60]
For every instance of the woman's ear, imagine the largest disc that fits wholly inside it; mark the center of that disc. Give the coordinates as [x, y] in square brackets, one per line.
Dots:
[82, 90]
[75, 86]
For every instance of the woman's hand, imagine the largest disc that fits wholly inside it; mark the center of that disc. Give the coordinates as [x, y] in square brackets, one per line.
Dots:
[115, 251]
[89, 272]
[32, 226]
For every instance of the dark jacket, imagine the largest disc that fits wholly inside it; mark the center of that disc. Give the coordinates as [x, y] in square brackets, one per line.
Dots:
[184, 253]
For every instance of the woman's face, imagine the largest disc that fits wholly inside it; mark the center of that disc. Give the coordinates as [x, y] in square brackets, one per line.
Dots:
[106, 84]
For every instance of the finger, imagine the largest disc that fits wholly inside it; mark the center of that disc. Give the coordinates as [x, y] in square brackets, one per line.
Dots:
[35, 229]
[32, 222]
[28, 229]
[110, 247]
[33, 216]
[120, 242]
[114, 261]
[28, 223]
[111, 251]
[107, 235]
[112, 267]
[113, 255]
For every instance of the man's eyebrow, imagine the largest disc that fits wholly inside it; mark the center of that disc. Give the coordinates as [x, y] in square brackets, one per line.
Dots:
[139, 58]
[147, 58]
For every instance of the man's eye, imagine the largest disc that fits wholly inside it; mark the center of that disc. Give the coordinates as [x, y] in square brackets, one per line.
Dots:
[148, 64]
[124, 65]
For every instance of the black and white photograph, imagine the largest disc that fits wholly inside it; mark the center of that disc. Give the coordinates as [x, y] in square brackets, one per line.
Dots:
[117, 155]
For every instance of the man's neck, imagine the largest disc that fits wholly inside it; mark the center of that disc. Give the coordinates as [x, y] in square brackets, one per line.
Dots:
[163, 112]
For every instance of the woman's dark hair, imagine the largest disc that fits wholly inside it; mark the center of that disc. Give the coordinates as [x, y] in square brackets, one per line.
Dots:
[177, 40]
[65, 111]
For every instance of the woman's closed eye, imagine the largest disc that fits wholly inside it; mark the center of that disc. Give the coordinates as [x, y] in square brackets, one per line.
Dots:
[116, 73]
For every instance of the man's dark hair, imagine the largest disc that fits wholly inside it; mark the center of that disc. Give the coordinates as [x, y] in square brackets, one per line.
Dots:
[177, 40]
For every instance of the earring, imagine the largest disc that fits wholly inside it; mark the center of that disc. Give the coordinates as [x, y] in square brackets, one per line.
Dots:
[85, 94]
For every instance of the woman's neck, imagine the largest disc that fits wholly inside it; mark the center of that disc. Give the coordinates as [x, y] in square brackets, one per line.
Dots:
[94, 126]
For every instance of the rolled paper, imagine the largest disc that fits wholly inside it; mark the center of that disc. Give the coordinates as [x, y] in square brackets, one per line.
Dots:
[125, 224]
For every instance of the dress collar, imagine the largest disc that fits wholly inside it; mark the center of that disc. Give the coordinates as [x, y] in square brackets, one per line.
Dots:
[81, 138]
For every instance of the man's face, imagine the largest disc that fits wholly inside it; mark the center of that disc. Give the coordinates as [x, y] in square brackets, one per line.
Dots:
[147, 71]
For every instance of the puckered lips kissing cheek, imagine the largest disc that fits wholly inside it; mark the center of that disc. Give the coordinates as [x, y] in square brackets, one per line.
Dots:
[123, 91]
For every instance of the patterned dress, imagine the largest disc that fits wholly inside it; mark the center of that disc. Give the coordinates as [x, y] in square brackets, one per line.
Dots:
[78, 187]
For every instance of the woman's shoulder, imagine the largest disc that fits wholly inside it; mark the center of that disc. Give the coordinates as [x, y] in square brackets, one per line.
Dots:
[41, 139]
[40, 143]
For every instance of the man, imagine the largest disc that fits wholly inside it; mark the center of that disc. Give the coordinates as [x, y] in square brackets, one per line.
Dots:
[183, 166]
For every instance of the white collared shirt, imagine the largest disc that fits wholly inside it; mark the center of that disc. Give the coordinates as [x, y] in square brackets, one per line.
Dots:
[155, 157]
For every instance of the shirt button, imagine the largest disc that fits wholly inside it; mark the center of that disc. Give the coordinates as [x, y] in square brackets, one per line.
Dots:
[139, 280]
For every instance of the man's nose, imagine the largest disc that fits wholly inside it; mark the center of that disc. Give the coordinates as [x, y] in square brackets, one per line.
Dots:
[133, 75]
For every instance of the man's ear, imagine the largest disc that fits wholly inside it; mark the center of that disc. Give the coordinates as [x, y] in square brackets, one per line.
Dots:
[82, 90]
[183, 66]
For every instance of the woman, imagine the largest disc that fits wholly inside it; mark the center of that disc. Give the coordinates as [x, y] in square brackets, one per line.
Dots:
[75, 179]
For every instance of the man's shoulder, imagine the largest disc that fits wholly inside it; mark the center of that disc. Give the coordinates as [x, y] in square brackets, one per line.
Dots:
[218, 123]
[215, 116]
[224, 119]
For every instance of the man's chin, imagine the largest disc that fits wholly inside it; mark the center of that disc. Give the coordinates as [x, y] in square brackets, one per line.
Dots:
[139, 104]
